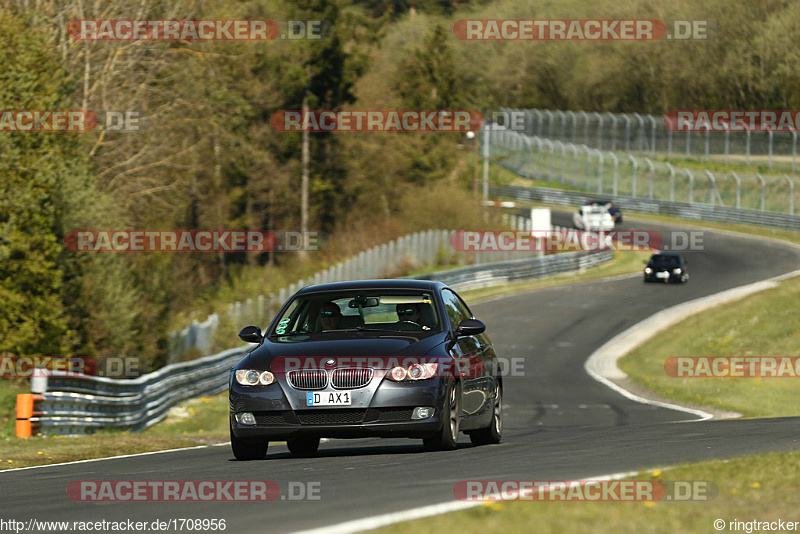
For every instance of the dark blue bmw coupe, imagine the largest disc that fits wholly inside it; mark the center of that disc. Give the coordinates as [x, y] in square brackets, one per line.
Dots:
[383, 358]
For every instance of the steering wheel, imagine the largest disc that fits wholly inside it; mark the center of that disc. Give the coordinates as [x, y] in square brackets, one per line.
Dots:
[409, 325]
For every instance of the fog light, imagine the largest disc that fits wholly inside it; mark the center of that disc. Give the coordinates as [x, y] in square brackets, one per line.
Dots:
[422, 412]
[246, 418]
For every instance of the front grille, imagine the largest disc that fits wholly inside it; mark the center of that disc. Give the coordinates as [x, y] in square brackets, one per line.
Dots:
[330, 417]
[350, 378]
[394, 414]
[269, 418]
[308, 379]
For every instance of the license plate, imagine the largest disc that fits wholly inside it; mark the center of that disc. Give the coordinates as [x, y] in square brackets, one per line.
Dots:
[662, 274]
[332, 398]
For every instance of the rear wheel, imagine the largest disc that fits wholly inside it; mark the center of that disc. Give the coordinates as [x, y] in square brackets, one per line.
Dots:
[303, 447]
[493, 432]
[247, 449]
[447, 439]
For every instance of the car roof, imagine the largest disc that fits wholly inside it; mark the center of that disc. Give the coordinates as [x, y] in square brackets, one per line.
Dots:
[387, 283]
[666, 255]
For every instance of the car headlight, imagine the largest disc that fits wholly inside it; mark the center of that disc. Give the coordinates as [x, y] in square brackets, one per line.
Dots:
[648, 270]
[250, 377]
[416, 371]
[677, 271]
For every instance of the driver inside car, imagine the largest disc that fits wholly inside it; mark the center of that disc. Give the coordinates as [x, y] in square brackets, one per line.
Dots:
[410, 312]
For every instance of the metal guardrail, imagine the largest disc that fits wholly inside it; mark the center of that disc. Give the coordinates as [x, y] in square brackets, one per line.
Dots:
[67, 405]
[633, 132]
[607, 172]
[705, 212]
[479, 276]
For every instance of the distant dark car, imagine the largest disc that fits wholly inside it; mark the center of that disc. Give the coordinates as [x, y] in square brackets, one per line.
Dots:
[666, 267]
[383, 358]
[612, 208]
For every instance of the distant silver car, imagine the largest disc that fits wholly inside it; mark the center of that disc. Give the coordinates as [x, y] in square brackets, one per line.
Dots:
[594, 218]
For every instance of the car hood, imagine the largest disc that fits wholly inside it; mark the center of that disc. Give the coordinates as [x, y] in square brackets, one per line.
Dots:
[392, 346]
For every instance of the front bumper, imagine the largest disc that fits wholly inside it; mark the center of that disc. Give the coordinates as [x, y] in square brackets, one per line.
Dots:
[672, 277]
[380, 411]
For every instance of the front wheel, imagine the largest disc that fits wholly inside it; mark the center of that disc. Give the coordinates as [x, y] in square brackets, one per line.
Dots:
[447, 438]
[492, 433]
[248, 450]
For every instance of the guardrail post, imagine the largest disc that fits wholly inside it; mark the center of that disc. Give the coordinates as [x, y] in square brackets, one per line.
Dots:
[640, 136]
[713, 188]
[747, 146]
[763, 191]
[691, 185]
[738, 190]
[599, 129]
[635, 166]
[770, 133]
[627, 132]
[613, 130]
[616, 171]
[652, 176]
[727, 140]
[600, 172]
[791, 194]
[652, 133]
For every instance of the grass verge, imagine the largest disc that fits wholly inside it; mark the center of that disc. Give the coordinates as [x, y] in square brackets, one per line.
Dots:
[759, 487]
[200, 421]
[764, 324]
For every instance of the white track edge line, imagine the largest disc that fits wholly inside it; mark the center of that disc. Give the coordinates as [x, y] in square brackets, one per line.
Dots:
[382, 520]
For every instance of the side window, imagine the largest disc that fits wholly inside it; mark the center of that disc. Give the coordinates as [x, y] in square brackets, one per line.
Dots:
[456, 310]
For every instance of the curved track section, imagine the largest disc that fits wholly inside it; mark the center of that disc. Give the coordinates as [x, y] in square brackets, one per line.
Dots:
[559, 423]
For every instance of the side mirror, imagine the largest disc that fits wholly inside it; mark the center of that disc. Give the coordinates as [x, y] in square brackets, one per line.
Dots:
[470, 327]
[251, 334]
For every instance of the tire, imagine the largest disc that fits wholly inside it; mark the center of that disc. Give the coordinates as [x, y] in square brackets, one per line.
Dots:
[303, 447]
[248, 450]
[447, 438]
[493, 433]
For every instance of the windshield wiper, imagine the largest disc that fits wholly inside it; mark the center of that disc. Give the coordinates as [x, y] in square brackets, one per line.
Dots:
[367, 329]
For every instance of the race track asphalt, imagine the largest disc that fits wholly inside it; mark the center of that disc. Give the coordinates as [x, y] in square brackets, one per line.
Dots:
[559, 423]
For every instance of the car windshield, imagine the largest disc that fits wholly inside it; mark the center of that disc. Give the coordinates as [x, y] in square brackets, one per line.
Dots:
[322, 314]
[660, 260]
